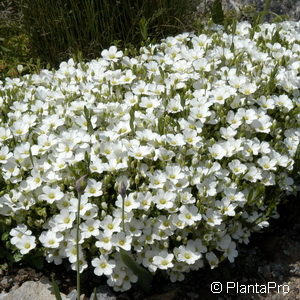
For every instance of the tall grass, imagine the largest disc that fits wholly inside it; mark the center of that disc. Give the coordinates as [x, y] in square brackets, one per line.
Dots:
[59, 28]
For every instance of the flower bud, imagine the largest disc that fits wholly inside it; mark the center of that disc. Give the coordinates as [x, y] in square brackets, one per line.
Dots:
[122, 190]
[104, 205]
[81, 184]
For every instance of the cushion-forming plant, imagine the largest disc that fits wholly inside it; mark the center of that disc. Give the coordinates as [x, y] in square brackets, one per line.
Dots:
[201, 130]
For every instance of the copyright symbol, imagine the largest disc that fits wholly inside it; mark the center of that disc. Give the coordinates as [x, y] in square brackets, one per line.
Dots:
[216, 287]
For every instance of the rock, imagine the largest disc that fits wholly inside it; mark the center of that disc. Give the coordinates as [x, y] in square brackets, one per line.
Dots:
[33, 290]
[103, 293]
[2, 295]
[73, 296]
[290, 8]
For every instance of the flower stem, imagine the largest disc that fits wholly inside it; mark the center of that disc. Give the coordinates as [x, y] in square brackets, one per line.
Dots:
[123, 213]
[77, 248]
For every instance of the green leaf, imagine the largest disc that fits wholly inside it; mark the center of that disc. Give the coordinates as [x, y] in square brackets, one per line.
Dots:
[86, 112]
[55, 288]
[144, 277]
[5, 236]
[217, 13]
[131, 122]
[272, 81]
[17, 256]
[4, 49]
[161, 72]
[161, 125]
[297, 154]
[276, 37]
[88, 115]
[95, 295]
[250, 195]
[38, 263]
[144, 27]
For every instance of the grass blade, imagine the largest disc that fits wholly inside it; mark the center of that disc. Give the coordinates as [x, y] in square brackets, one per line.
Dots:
[55, 288]
[144, 277]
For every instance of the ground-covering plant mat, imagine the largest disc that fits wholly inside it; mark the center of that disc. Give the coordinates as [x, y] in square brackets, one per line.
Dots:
[176, 155]
[257, 263]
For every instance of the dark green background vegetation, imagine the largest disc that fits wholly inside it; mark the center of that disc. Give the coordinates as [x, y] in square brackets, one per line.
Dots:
[42, 33]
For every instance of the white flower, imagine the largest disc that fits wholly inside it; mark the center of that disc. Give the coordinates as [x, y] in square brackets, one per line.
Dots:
[71, 252]
[51, 194]
[231, 252]
[266, 163]
[212, 217]
[226, 207]
[117, 277]
[82, 265]
[174, 105]
[121, 240]
[26, 244]
[51, 239]
[228, 132]
[164, 200]
[237, 167]
[103, 265]
[157, 180]
[248, 88]
[139, 152]
[104, 241]
[235, 120]
[217, 151]
[149, 102]
[90, 228]
[93, 189]
[284, 102]
[18, 232]
[174, 173]
[5, 134]
[254, 174]
[187, 254]
[110, 224]
[220, 94]
[130, 202]
[19, 128]
[163, 260]
[189, 214]
[64, 220]
[112, 54]
[212, 259]
[175, 140]
[4, 154]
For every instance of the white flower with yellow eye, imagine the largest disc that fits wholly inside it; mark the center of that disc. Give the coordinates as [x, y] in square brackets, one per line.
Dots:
[103, 265]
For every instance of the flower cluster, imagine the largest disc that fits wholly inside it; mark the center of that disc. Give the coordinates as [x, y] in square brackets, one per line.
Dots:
[199, 130]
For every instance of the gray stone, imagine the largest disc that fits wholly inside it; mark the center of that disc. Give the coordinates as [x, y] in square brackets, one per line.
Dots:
[73, 295]
[33, 290]
[103, 293]
[291, 8]
[2, 295]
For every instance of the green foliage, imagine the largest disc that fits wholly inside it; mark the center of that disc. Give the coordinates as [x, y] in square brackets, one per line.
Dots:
[35, 259]
[15, 50]
[55, 288]
[217, 13]
[94, 295]
[144, 277]
[58, 29]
